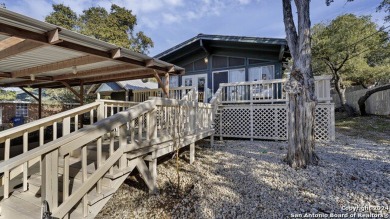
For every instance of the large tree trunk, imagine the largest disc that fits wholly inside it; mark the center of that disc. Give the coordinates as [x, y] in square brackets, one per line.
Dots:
[300, 88]
[362, 100]
[340, 89]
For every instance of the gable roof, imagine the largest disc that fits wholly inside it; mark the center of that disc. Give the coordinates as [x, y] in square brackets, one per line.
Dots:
[223, 38]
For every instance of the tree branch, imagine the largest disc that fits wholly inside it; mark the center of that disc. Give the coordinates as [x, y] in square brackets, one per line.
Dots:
[291, 32]
[343, 62]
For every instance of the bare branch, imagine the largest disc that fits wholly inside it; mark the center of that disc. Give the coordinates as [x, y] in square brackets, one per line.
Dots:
[291, 32]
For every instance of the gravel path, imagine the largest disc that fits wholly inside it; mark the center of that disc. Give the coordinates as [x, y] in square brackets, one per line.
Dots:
[243, 179]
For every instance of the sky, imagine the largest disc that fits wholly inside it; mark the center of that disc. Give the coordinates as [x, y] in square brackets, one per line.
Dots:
[170, 22]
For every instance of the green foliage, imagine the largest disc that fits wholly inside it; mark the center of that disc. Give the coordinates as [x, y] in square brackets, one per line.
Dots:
[7, 95]
[62, 16]
[385, 6]
[64, 95]
[116, 26]
[352, 48]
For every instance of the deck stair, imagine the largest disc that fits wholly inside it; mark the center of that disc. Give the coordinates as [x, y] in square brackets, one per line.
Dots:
[79, 172]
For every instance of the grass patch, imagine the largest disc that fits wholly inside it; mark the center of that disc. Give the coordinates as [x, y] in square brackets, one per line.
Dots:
[376, 128]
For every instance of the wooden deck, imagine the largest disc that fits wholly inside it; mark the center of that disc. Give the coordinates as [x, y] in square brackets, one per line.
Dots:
[79, 172]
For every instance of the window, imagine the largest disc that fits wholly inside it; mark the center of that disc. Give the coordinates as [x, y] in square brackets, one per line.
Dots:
[262, 73]
[21, 109]
[256, 61]
[173, 81]
[236, 61]
[189, 67]
[220, 62]
[200, 65]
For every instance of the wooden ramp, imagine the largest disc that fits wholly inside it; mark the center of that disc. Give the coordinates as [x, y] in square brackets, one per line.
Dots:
[79, 172]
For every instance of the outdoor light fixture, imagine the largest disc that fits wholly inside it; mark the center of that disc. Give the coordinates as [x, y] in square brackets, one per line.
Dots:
[32, 77]
[206, 60]
[144, 80]
[74, 70]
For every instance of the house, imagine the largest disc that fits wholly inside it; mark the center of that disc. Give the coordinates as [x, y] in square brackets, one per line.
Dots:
[121, 90]
[26, 109]
[213, 59]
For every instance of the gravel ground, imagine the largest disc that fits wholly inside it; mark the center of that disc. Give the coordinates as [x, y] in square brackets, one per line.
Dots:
[243, 179]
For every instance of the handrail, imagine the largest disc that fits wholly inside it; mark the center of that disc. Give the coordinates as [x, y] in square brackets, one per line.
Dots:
[104, 126]
[253, 82]
[144, 117]
[101, 127]
[117, 101]
[266, 91]
[35, 125]
[159, 89]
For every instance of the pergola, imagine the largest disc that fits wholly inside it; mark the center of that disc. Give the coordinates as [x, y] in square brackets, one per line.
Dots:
[40, 55]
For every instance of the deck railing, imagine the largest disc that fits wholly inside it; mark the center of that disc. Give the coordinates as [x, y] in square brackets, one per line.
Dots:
[174, 93]
[141, 128]
[26, 137]
[267, 91]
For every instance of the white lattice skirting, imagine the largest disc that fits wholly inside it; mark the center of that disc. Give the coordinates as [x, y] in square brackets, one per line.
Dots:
[269, 121]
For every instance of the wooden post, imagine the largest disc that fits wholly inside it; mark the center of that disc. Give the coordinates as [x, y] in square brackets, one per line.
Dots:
[127, 95]
[153, 172]
[192, 153]
[81, 100]
[123, 145]
[25, 165]
[166, 85]
[100, 111]
[40, 103]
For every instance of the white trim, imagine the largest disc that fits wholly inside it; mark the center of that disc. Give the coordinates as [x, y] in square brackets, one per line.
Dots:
[261, 67]
[192, 76]
[226, 70]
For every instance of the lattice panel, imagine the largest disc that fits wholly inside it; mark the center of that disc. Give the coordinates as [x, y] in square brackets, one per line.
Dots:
[323, 122]
[270, 122]
[216, 124]
[236, 121]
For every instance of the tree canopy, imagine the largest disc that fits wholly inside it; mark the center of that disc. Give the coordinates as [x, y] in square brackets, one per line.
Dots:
[352, 49]
[116, 26]
[7, 95]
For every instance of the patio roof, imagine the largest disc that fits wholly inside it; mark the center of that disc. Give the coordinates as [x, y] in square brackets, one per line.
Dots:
[41, 55]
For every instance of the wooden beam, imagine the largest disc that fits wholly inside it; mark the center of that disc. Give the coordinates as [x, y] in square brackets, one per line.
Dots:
[166, 87]
[150, 63]
[72, 90]
[30, 94]
[28, 82]
[53, 37]
[160, 82]
[96, 72]
[99, 79]
[18, 48]
[116, 53]
[5, 75]
[81, 97]
[84, 60]
[171, 69]
[119, 76]
[10, 41]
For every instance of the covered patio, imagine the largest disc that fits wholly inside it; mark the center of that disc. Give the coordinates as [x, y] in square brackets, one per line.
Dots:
[39, 55]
